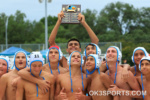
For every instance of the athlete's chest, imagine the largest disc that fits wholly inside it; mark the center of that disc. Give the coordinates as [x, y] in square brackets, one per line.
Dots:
[96, 84]
[76, 84]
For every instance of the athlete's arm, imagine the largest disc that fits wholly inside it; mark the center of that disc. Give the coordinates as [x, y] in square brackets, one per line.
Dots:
[93, 37]
[26, 74]
[3, 85]
[20, 90]
[55, 29]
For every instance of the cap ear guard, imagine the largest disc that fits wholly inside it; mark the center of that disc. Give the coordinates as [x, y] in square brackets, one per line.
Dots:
[6, 58]
[98, 50]
[98, 60]
[119, 54]
[15, 58]
[69, 59]
[139, 48]
[59, 50]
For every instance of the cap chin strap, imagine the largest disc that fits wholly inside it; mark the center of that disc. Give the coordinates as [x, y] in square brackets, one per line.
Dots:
[51, 68]
[134, 62]
[57, 64]
[70, 71]
[34, 76]
[142, 85]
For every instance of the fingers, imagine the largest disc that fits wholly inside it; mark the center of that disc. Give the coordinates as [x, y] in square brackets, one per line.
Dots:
[79, 90]
[62, 90]
[111, 86]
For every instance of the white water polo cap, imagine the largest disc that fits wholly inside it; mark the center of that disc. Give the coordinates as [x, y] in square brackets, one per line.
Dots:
[69, 59]
[97, 62]
[144, 58]
[98, 50]
[139, 48]
[15, 58]
[6, 58]
[119, 54]
[36, 56]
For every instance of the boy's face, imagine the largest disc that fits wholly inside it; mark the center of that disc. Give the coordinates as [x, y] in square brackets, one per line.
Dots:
[20, 60]
[3, 67]
[53, 55]
[138, 55]
[90, 63]
[111, 54]
[36, 67]
[73, 46]
[145, 67]
[76, 59]
[90, 49]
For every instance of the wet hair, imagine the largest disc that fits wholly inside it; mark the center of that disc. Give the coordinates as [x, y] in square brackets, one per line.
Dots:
[74, 39]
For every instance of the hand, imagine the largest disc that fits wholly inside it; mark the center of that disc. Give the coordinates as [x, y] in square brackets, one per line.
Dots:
[113, 90]
[44, 86]
[63, 94]
[60, 16]
[81, 18]
[103, 63]
[79, 95]
[125, 73]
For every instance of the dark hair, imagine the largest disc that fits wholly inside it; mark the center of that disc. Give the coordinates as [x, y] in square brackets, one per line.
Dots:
[90, 44]
[74, 39]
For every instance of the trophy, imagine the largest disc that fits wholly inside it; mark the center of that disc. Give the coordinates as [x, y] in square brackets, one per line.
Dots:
[71, 14]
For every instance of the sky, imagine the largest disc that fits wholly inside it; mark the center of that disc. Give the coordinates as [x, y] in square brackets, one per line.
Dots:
[35, 10]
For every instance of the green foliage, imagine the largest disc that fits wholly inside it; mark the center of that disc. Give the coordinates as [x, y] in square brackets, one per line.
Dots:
[117, 22]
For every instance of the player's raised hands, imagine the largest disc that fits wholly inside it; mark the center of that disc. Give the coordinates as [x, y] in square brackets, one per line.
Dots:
[60, 16]
[81, 18]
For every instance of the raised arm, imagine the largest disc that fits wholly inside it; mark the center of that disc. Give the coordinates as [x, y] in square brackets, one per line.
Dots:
[20, 90]
[3, 86]
[43, 84]
[55, 29]
[93, 37]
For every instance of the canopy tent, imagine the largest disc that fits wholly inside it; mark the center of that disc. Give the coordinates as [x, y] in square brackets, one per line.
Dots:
[44, 52]
[12, 50]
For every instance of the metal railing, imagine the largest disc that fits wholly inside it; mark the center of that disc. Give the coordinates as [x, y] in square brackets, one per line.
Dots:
[63, 46]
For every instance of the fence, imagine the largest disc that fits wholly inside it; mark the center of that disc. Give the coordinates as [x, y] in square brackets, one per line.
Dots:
[39, 47]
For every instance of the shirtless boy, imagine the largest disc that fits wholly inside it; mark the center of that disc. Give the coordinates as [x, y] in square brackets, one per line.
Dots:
[138, 53]
[73, 44]
[73, 85]
[53, 67]
[30, 89]
[144, 81]
[92, 48]
[113, 56]
[6, 88]
[100, 81]
[4, 65]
